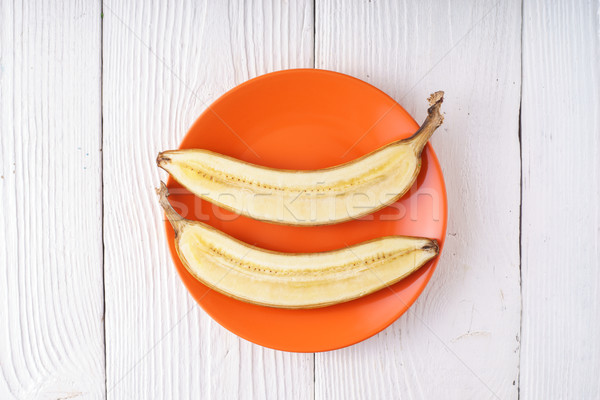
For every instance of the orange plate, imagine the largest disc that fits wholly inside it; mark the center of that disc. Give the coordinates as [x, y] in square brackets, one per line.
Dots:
[310, 119]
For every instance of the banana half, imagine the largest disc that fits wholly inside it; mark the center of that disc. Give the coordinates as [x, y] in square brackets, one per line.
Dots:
[288, 280]
[316, 197]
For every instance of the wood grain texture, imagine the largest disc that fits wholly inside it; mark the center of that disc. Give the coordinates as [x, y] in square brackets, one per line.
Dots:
[461, 338]
[51, 298]
[560, 356]
[162, 66]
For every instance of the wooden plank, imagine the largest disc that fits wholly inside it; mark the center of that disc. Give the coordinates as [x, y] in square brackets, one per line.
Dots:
[560, 356]
[461, 338]
[162, 66]
[51, 296]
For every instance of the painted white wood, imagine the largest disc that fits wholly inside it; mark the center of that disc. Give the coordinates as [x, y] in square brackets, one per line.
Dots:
[461, 338]
[560, 356]
[51, 297]
[163, 64]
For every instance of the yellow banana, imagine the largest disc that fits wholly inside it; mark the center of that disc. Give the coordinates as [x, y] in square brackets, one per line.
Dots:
[315, 197]
[294, 280]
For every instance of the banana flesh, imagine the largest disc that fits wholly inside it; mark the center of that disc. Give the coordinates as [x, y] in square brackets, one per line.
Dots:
[284, 280]
[315, 197]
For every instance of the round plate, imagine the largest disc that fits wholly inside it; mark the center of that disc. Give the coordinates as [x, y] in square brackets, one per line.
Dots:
[311, 119]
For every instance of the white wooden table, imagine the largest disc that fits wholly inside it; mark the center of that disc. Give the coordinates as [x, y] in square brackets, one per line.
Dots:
[90, 92]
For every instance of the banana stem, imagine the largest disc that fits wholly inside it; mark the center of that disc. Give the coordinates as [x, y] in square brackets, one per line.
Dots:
[432, 122]
[174, 218]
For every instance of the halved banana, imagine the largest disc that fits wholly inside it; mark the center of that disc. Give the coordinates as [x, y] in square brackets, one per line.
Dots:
[294, 280]
[316, 197]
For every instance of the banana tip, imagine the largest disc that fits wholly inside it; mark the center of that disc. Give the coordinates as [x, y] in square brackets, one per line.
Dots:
[437, 97]
[435, 101]
[162, 159]
[433, 246]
